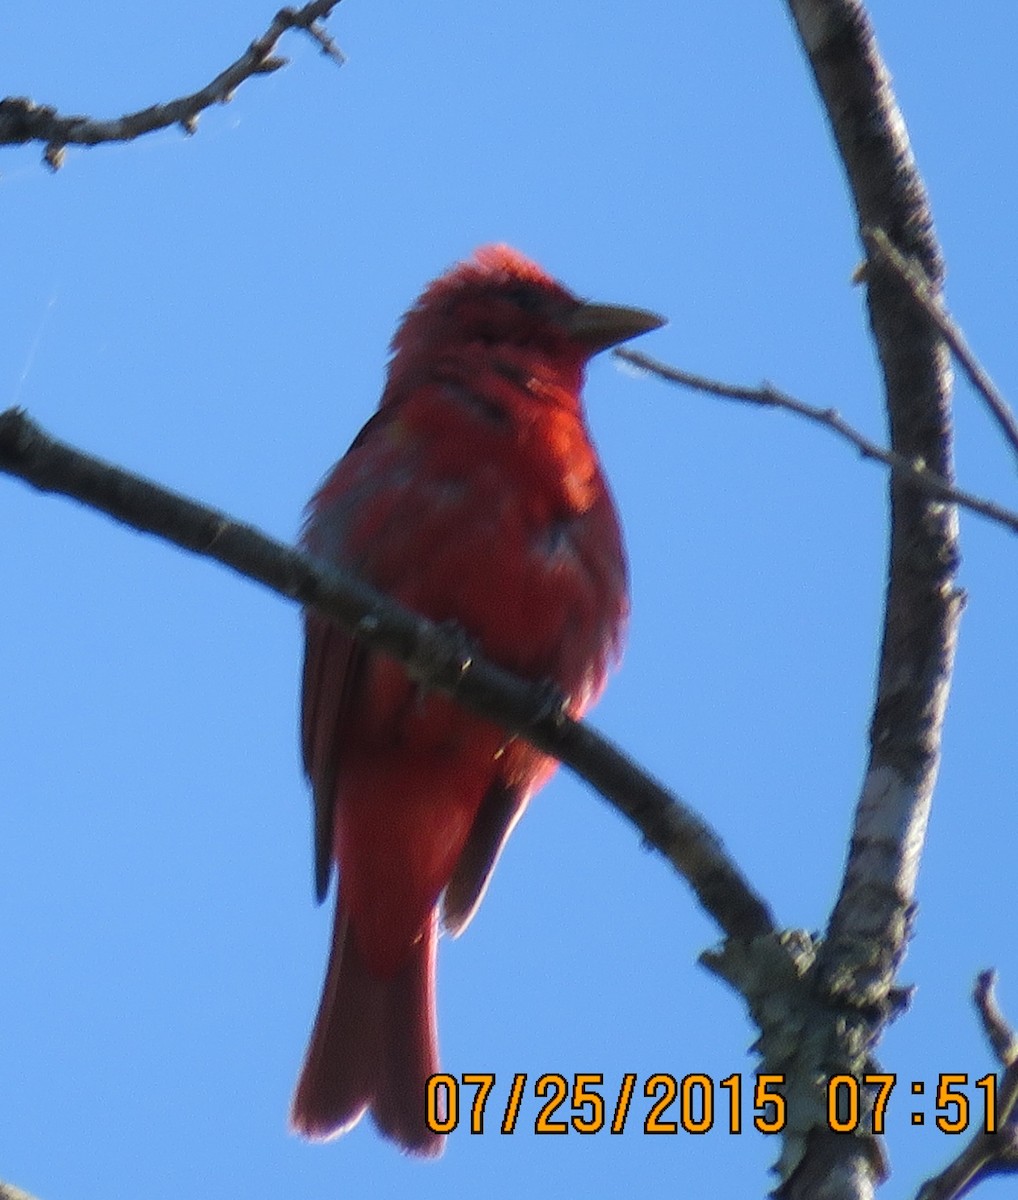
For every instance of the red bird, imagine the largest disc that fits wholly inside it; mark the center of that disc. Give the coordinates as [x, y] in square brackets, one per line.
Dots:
[473, 495]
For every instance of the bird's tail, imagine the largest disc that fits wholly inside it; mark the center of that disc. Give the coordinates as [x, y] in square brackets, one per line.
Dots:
[373, 1046]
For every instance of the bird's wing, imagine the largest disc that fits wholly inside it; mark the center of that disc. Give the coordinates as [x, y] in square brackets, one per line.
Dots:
[332, 665]
[500, 809]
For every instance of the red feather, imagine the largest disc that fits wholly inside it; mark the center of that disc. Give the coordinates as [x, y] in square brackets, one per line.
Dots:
[473, 495]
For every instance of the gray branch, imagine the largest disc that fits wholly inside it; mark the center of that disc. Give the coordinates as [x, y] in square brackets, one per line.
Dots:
[854, 975]
[22, 120]
[930, 299]
[433, 654]
[10, 1192]
[910, 471]
[990, 1151]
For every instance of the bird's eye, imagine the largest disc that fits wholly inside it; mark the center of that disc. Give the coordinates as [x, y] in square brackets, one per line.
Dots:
[527, 297]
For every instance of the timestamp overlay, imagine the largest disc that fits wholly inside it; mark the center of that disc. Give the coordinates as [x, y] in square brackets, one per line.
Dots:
[663, 1103]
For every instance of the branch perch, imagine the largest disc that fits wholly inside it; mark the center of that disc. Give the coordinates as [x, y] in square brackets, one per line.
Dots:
[431, 653]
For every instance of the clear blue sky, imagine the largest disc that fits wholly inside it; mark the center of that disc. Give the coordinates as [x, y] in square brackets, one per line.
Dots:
[214, 312]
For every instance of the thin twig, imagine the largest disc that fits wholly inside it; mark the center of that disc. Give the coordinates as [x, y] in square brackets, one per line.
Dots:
[431, 654]
[22, 120]
[989, 1152]
[918, 283]
[999, 1031]
[766, 396]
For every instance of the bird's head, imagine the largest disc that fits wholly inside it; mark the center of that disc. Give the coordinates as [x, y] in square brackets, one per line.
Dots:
[500, 300]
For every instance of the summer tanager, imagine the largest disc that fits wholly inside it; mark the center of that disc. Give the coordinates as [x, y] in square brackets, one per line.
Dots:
[473, 495]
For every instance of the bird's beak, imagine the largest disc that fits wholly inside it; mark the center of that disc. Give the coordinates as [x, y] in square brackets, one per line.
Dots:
[602, 325]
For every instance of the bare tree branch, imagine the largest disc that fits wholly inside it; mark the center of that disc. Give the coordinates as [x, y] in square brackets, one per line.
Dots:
[932, 303]
[432, 653]
[855, 971]
[989, 1152]
[22, 120]
[766, 396]
[999, 1032]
